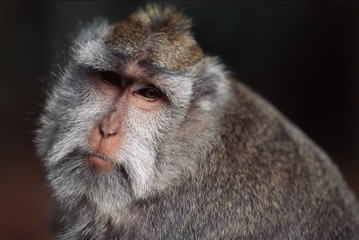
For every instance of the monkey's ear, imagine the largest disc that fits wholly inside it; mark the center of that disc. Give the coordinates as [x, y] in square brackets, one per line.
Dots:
[161, 18]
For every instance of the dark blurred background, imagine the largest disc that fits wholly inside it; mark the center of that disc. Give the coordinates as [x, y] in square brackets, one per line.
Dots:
[301, 56]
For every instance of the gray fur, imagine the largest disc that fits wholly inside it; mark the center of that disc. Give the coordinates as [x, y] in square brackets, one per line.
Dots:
[218, 163]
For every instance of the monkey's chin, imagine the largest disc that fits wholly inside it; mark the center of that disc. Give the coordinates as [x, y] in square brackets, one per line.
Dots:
[100, 165]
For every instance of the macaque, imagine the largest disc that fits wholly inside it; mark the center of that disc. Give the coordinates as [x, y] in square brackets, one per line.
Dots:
[144, 136]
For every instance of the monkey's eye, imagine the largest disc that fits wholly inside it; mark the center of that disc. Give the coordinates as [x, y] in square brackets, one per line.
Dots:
[150, 93]
[111, 78]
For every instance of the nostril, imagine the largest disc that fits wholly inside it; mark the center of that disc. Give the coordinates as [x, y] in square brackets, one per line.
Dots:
[102, 133]
[106, 132]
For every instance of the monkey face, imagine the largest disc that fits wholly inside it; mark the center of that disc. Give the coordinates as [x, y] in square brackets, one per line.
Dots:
[115, 121]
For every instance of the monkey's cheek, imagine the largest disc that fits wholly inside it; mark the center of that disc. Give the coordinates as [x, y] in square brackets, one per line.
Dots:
[100, 165]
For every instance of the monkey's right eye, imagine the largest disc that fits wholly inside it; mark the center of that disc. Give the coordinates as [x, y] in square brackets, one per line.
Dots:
[111, 78]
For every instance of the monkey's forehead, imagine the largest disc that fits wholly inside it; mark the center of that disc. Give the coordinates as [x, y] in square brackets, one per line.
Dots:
[157, 40]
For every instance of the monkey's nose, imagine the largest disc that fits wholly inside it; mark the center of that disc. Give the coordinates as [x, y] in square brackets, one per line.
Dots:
[110, 124]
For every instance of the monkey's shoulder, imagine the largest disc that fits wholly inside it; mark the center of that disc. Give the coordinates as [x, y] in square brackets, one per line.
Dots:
[269, 169]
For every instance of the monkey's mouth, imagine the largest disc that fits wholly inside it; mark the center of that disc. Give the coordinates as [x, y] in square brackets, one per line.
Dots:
[100, 164]
[103, 164]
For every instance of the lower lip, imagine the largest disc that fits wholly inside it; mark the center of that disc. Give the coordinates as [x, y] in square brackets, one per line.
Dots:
[100, 165]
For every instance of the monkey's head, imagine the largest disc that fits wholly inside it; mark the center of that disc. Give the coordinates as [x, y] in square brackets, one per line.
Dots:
[132, 113]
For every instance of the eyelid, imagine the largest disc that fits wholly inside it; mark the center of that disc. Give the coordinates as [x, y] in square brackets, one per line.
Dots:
[138, 87]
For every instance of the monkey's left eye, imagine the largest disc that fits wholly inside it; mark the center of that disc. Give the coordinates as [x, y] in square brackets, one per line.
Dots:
[111, 78]
[150, 93]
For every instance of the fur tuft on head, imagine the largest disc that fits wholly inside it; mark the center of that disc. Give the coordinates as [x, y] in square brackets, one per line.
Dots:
[158, 35]
[163, 19]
